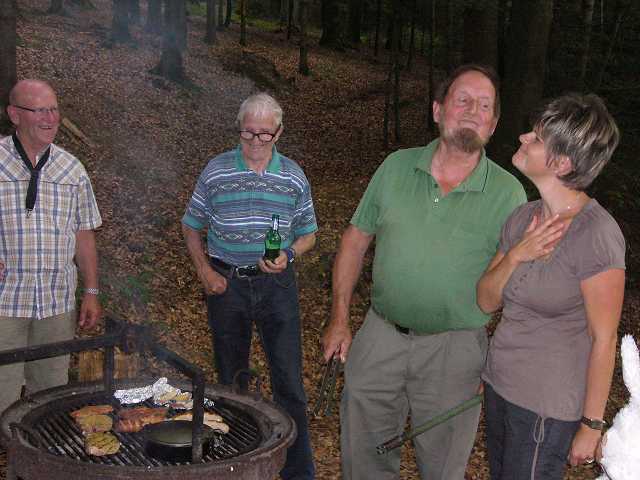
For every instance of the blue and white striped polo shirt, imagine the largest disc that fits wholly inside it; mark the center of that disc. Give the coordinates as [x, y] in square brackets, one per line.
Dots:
[235, 204]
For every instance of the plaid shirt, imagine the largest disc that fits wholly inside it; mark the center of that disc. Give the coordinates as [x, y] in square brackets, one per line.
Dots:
[37, 251]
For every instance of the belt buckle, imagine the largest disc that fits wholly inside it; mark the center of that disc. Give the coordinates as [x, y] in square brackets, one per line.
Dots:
[245, 269]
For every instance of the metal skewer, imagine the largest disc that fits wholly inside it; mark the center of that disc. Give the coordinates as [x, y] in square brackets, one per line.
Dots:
[437, 420]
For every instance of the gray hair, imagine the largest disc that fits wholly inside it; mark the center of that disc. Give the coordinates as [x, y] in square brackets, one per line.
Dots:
[260, 105]
[581, 128]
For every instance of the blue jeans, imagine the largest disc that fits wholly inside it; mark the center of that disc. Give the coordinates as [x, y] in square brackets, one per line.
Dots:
[521, 444]
[271, 301]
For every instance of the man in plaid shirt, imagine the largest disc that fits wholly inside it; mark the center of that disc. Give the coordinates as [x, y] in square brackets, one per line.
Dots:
[47, 216]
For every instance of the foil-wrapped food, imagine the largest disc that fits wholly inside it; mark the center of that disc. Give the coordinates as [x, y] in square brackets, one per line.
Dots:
[162, 393]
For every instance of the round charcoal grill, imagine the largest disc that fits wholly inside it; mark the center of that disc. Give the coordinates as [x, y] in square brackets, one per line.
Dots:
[43, 440]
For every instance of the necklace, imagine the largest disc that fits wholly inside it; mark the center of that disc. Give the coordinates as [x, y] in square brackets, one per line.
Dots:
[570, 210]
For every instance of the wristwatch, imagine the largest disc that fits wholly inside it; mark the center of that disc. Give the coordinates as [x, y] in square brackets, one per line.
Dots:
[594, 423]
[291, 254]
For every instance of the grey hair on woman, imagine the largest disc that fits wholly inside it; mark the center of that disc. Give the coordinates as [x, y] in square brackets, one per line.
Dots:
[260, 105]
[580, 128]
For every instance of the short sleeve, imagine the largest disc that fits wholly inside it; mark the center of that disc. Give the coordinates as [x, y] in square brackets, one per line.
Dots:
[367, 214]
[197, 213]
[600, 248]
[513, 229]
[87, 213]
[304, 219]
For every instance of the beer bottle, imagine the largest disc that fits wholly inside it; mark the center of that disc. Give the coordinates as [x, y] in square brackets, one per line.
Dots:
[272, 240]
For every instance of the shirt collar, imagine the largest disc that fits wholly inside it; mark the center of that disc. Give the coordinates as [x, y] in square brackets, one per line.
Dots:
[274, 163]
[476, 182]
[38, 155]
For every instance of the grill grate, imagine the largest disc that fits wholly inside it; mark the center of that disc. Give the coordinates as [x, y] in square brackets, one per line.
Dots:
[62, 436]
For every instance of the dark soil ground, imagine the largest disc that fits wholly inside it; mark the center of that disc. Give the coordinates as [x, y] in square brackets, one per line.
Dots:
[153, 138]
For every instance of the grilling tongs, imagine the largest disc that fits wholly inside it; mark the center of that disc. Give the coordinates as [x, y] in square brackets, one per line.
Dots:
[327, 388]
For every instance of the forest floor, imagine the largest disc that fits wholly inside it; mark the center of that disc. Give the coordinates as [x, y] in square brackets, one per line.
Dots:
[153, 138]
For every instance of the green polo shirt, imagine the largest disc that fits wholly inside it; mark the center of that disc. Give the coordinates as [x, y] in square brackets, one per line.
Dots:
[431, 250]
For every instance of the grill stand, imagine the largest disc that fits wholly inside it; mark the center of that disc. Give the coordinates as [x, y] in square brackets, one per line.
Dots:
[27, 461]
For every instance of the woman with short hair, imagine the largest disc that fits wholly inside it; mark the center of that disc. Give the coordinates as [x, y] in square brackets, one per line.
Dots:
[559, 277]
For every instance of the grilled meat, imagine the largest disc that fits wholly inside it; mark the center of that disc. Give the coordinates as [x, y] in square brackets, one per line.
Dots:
[210, 419]
[100, 444]
[132, 425]
[92, 410]
[139, 412]
[95, 423]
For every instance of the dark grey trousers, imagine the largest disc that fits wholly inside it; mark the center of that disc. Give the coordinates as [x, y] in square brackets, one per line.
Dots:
[390, 376]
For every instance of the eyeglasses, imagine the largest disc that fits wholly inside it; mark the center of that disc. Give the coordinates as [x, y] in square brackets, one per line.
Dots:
[42, 111]
[264, 137]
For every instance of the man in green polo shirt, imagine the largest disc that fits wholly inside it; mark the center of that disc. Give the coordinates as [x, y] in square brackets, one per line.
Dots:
[436, 213]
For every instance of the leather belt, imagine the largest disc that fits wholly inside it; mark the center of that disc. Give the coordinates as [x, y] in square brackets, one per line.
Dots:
[230, 271]
[402, 330]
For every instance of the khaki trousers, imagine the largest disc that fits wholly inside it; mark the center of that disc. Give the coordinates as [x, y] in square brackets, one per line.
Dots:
[390, 376]
[39, 374]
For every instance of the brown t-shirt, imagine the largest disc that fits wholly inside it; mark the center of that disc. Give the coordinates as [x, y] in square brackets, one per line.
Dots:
[539, 353]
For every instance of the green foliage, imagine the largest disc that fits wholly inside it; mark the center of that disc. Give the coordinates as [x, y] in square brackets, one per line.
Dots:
[197, 9]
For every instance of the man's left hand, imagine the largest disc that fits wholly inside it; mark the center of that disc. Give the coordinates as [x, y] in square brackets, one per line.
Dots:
[90, 311]
[277, 266]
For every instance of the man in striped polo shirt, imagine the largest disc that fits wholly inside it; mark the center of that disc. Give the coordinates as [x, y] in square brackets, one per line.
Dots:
[234, 200]
[47, 216]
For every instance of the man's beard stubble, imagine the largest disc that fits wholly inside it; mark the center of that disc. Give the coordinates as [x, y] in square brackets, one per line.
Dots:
[464, 139]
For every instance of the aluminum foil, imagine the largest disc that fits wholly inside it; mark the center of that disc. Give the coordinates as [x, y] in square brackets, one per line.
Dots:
[162, 393]
[140, 394]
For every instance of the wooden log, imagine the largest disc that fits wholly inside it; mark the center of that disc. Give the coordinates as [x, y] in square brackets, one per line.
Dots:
[73, 129]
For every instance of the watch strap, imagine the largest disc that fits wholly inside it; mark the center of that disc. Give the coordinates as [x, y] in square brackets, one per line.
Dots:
[594, 423]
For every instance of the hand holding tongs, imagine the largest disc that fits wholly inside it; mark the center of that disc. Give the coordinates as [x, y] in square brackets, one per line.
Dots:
[327, 387]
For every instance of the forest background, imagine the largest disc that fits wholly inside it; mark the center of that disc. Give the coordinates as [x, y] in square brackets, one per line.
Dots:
[149, 91]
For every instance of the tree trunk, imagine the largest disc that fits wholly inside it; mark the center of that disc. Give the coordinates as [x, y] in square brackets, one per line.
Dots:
[227, 20]
[154, 16]
[481, 32]
[120, 23]
[432, 65]
[290, 9]
[622, 12]
[173, 41]
[503, 13]
[331, 36]
[393, 79]
[395, 52]
[585, 44]
[412, 36]
[525, 69]
[134, 12]
[243, 23]
[8, 41]
[210, 35]
[355, 21]
[84, 4]
[220, 14]
[284, 8]
[304, 61]
[378, 21]
[451, 36]
[56, 7]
